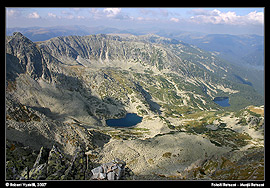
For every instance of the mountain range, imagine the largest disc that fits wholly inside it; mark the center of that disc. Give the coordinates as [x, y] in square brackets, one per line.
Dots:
[245, 51]
[61, 91]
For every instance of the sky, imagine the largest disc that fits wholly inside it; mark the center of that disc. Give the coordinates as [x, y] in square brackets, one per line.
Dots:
[206, 20]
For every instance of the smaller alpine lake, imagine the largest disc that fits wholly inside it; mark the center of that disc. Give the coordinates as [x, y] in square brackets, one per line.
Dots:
[131, 119]
[222, 101]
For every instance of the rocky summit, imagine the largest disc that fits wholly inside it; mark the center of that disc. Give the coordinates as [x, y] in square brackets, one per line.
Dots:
[60, 92]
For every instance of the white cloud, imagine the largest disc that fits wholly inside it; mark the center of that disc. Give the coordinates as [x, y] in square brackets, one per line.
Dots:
[95, 13]
[80, 17]
[217, 17]
[69, 17]
[52, 15]
[140, 18]
[112, 12]
[34, 15]
[12, 12]
[174, 19]
[256, 17]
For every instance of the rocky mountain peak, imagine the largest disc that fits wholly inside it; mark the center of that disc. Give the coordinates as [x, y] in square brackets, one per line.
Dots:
[18, 38]
[24, 56]
[18, 34]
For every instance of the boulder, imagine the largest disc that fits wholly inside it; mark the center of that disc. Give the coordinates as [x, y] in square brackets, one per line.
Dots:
[113, 170]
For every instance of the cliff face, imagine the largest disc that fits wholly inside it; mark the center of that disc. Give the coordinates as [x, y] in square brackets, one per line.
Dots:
[29, 57]
[59, 93]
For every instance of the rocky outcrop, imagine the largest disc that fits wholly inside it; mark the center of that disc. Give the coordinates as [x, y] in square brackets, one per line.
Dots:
[80, 167]
[28, 56]
[237, 165]
[55, 165]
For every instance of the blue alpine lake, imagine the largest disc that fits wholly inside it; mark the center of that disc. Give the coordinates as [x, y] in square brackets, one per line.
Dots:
[131, 119]
[222, 101]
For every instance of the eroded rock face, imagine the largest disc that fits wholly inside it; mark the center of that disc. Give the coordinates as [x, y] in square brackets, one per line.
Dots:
[51, 165]
[80, 167]
[28, 54]
[55, 165]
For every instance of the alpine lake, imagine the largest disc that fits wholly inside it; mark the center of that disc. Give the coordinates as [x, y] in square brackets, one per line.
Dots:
[130, 120]
[222, 101]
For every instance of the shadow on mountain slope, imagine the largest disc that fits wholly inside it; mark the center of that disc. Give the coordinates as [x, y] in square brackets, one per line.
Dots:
[155, 107]
[13, 67]
[69, 98]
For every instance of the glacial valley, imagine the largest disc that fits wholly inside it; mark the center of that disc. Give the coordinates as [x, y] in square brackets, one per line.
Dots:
[60, 92]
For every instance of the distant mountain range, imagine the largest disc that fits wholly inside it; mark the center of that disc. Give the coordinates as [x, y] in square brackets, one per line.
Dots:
[45, 33]
[246, 51]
